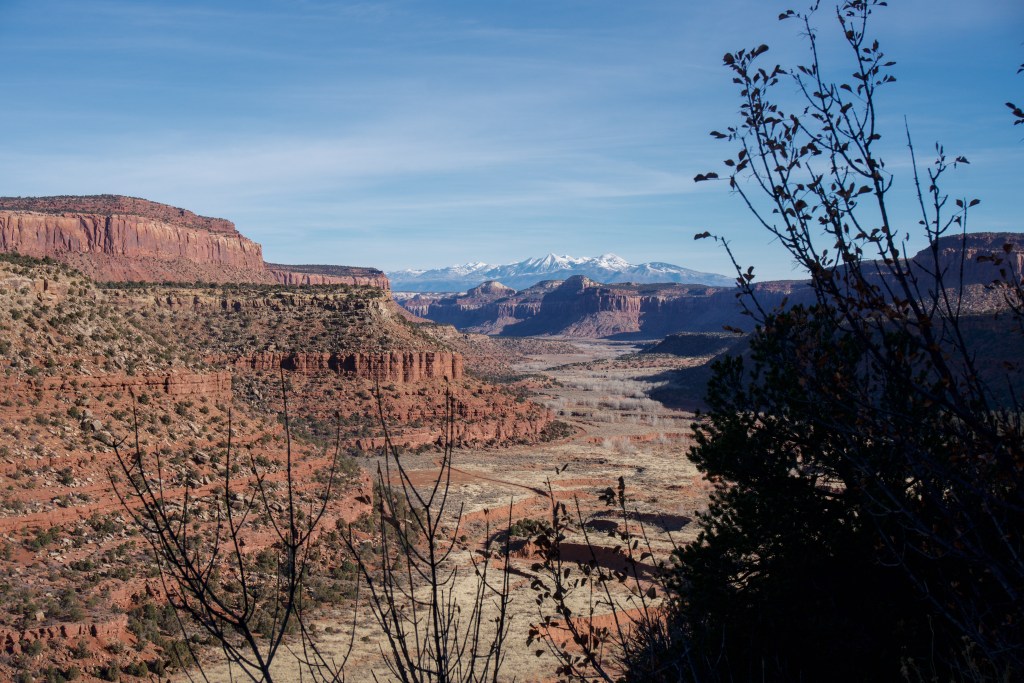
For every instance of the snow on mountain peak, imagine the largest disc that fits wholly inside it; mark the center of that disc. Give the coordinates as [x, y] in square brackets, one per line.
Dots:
[613, 261]
[468, 268]
[607, 267]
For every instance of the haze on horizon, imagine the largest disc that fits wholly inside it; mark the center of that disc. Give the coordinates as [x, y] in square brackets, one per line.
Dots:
[402, 134]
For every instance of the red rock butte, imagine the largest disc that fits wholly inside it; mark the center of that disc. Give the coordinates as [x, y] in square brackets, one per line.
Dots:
[117, 239]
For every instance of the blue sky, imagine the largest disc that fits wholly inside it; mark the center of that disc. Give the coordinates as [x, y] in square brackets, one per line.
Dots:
[424, 133]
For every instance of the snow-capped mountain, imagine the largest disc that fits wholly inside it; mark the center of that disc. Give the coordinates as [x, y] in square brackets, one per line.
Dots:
[606, 268]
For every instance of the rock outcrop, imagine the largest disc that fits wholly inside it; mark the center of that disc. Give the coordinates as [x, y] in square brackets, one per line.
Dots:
[328, 275]
[118, 247]
[13, 641]
[112, 204]
[215, 385]
[125, 239]
[401, 367]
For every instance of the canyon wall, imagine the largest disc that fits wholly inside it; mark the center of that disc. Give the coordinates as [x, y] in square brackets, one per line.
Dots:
[112, 204]
[126, 247]
[327, 275]
[984, 245]
[402, 367]
[176, 384]
[125, 239]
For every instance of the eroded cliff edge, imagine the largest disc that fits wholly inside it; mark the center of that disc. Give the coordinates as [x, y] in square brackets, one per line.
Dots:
[114, 238]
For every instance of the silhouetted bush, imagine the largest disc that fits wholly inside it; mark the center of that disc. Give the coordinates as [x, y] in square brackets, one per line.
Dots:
[868, 516]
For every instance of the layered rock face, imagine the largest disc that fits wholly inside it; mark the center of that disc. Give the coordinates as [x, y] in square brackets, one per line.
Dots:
[1008, 246]
[401, 367]
[125, 239]
[989, 257]
[116, 247]
[214, 385]
[111, 204]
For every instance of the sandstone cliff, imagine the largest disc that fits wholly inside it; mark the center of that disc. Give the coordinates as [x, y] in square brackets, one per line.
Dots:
[328, 275]
[128, 247]
[581, 307]
[401, 367]
[123, 239]
[112, 204]
[176, 384]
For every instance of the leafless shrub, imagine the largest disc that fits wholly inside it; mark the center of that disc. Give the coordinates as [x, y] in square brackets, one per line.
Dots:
[598, 606]
[430, 635]
[246, 602]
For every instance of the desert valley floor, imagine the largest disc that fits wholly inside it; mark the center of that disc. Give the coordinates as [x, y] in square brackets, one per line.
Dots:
[599, 388]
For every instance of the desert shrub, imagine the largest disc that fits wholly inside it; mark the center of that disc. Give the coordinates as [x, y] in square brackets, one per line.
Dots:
[137, 669]
[69, 608]
[557, 429]
[43, 538]
[527, 528]
[109, 672]
[80, 650]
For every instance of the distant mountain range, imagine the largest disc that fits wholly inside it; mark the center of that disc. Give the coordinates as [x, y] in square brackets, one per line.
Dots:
[607, 268]
[581, 307]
